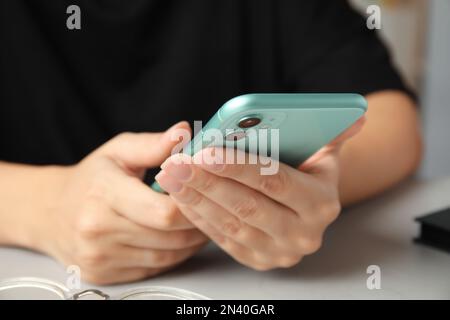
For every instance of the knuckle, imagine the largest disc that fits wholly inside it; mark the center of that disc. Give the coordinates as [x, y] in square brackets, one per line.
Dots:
[124, 136]
[289, 261]
[310, 245]
[231, 227]
[219, 238]
[246, 235]
[246, 207]
[207, 183]
[261, 262]
[329, 210]
[276, 183]
[90, 227]
[168, 217]
[193, 199]
[92, 260]
[261, 267]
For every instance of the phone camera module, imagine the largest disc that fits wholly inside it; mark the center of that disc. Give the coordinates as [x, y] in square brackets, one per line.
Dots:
[249, 122]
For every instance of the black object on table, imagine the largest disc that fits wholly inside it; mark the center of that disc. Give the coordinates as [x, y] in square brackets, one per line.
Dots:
[435, 229]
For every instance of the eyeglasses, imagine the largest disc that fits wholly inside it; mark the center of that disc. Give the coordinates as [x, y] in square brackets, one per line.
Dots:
[43, 289]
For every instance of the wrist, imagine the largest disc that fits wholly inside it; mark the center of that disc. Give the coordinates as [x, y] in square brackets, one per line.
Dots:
[26, 214]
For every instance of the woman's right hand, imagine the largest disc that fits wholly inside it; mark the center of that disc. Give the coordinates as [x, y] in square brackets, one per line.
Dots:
[108, 222]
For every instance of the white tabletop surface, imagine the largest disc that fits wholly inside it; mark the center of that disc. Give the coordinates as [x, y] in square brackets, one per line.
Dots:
[379, 232]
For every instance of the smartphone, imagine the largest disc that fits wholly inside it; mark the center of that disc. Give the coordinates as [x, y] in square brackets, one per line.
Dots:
[304, 123]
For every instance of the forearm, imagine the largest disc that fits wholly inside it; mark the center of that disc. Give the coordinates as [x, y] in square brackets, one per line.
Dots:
[26, 192]
[387, 149]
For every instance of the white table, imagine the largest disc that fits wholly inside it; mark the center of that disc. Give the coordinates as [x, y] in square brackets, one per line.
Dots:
[379, 232]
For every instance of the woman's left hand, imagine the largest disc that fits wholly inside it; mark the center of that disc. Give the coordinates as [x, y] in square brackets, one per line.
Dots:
[262, 221]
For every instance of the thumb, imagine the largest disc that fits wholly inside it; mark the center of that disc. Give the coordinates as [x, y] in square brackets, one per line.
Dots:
[350, 131]
[325, 162]
[136, 151]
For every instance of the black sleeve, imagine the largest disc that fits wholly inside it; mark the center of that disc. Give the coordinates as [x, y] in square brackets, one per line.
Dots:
[326, 47]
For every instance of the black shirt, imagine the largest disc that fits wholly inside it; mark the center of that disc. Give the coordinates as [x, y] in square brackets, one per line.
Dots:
[143, 65]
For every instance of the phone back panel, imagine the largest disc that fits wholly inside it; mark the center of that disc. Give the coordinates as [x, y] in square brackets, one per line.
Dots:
[305, 122]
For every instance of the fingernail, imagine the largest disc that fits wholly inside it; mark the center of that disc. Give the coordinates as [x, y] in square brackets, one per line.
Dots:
[176, 125]
[176, 159]
[179, 171]
[164, 164]
[168, 183]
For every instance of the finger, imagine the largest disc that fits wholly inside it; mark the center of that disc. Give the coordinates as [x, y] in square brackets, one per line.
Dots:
[272, 185]
[324, 164]
[131, 257]
[225, 222]
[237, 251]
[135, 274]
[135, 151]
[288, 186]
[135, 235]
[296, 236]
[246, 204]
[134, 200]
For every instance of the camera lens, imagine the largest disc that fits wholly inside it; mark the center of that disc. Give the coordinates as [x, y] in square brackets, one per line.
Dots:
[249, 122]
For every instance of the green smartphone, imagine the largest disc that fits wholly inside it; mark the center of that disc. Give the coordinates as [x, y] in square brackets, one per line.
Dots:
[304, 123]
